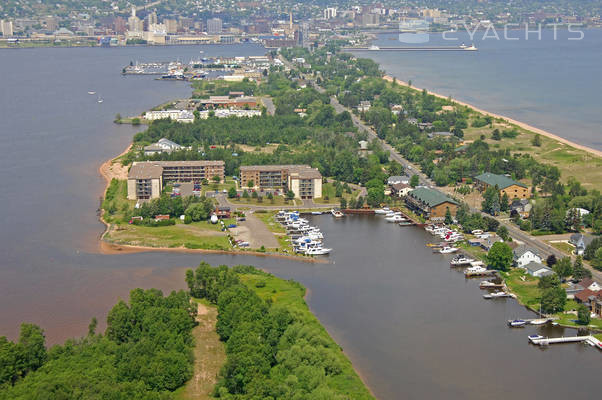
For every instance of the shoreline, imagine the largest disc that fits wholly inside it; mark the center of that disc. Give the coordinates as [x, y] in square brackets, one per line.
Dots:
[509, 120]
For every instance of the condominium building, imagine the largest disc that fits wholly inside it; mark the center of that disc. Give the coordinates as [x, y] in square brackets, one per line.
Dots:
[304, 181]
[176, 115]
[146, 179]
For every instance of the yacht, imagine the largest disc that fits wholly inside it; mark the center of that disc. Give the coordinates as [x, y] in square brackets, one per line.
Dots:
[448, 250]
[382, 211]
[395, 218]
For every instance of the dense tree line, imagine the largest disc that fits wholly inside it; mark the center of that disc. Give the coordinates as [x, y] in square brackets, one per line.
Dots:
[145, 353]
[272, 353]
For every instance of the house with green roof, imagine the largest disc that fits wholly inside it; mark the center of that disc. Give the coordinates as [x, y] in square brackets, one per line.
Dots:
[512, 188]
[431, 203]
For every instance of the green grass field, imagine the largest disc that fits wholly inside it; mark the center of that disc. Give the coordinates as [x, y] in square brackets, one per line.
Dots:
[198, 235]
[329, 194]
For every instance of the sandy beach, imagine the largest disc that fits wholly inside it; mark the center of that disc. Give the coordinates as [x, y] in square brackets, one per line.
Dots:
[522, 125]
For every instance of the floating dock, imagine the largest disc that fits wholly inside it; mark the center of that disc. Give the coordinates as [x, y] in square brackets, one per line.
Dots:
[591, 340]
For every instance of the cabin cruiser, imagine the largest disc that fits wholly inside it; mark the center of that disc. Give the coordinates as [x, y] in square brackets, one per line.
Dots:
[474, 270]
[539, 321]
[317, 251]
[395, 218]
[487, 284]
[382, 211]
[496, 295]
[460, 260]
[448, 250]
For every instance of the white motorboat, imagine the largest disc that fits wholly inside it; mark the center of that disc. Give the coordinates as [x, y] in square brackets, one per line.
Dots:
[395, 218]
[487, 284]
[461, 260]
[472, 47]
[91, 93]
[382, 211]
[517, 323]
[316, 213]
[539, 321]
[448, 250]
[336, 213]
[317, 251]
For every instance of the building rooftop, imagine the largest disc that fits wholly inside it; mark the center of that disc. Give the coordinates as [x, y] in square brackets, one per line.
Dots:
[520, 250]
[501, 181]
[430, 197]
[295, 170]
[154, 169]
[145, 170]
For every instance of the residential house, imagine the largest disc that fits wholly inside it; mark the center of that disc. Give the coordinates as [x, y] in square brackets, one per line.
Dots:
[400, 189]
[537, 269]
[510, 187]
[396, 109]
[162, 146]
[521, 206]
[523, 255]
[591, 299]
[430, 203]
[363, 106]
[363, 145]
[398, 179]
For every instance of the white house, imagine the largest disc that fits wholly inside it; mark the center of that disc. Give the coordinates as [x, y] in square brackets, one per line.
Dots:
[537, 269]
[524, 255]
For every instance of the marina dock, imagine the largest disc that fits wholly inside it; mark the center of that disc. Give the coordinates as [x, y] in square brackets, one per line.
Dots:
[544, 341]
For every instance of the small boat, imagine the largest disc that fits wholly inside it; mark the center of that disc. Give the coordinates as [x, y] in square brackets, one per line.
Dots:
[100, 100]
[336, 213]
[91, 93]
[316, 213]
[405, 223]
[463, 46]
[497, 295]
[448, 250]
[382, 211]
[487, 284]
[517, 323]
[460, 260]
[472, 47]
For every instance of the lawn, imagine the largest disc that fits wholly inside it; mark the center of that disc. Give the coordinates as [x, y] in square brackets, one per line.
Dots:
[198, 235]
[563, 246]
[329, 194]
[529, 294]
[290, 294]
[584, 166]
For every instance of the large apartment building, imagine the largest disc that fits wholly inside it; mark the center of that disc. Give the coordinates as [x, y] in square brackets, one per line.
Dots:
[304, 181]
[146, 179]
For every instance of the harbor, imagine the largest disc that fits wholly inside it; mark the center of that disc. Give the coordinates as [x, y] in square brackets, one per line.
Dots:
[304, 238]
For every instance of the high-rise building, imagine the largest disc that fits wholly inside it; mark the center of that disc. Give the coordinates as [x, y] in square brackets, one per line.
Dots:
[6, 27]
[330, 13]
[134, 23]
[214, 25]
[171, 26]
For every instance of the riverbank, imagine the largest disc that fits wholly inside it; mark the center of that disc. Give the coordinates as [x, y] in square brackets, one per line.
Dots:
[519, 124]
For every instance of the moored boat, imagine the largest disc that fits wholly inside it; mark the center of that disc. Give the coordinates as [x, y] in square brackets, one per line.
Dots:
[517, 323]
